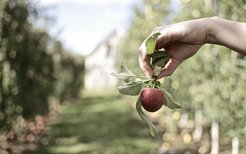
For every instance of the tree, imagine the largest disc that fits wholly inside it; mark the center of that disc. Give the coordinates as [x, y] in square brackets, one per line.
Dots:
[223, 76]
[147, 16]
[211, 82]
[34, 69]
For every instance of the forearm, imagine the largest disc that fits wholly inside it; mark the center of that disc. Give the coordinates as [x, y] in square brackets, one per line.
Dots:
[227, 33]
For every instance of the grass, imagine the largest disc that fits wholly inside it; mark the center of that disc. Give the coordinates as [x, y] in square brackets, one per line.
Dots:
[99, 124]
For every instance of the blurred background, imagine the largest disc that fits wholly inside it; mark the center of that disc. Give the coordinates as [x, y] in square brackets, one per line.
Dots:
[57, 95]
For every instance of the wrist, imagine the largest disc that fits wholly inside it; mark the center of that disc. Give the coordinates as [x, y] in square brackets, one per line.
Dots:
[211, 26]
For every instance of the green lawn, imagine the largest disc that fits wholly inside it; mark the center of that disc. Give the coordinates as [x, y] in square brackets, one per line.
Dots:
[99, 124]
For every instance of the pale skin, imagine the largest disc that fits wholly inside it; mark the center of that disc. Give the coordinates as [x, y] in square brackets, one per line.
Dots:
[184, 39]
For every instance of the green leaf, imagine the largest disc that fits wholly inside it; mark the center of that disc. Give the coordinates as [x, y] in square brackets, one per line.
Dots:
[170, 102]
[159, 58]
[132, 88]
[150, 43]
[125, 74]
[157, 84]
[145, 118]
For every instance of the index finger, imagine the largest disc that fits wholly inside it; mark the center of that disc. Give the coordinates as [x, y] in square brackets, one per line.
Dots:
[144, 62]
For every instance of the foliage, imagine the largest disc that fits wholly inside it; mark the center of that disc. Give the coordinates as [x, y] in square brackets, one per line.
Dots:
[212, 81]
[31, 72]
[147, 16]
[222, 76]
[69, 73]
[34, 67]
[134, 84]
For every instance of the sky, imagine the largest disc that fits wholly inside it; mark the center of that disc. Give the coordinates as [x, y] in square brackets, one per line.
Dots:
[82, 24]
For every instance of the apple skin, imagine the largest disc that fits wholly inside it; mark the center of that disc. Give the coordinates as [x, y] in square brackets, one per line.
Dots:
[152, 99]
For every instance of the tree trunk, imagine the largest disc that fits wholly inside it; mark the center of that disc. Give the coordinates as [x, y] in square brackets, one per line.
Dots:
[198, 126]
[235, 145]
[215, 138]
[183, 120]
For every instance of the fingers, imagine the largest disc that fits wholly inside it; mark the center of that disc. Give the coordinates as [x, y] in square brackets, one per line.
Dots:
[166, 38]
[144, 59]
[169, 68]
[144, 62]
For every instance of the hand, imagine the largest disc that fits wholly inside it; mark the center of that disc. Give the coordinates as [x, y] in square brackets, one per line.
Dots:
[180, 40]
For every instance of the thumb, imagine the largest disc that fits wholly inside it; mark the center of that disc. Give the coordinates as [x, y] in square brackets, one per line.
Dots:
[169, 68]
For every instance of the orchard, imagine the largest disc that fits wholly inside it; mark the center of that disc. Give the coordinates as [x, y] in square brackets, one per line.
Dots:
[209, 87]
[45, 109]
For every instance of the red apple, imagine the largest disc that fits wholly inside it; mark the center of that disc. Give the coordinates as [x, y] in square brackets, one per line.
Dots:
[152, 99]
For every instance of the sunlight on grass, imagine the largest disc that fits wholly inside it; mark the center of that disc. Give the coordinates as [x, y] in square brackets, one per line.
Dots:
[72, 149]
[105, 92]
[66, 140]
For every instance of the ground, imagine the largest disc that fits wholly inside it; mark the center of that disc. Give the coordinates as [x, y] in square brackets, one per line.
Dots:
[98, 124]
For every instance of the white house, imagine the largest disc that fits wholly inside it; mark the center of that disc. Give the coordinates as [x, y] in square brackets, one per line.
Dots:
[101, 62]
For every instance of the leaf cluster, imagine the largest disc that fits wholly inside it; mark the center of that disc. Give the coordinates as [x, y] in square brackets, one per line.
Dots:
[134, 84]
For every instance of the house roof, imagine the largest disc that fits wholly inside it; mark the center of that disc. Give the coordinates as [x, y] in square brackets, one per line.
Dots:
[106, 39]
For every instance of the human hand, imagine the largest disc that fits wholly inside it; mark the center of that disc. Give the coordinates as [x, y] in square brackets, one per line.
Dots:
[181, 41]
